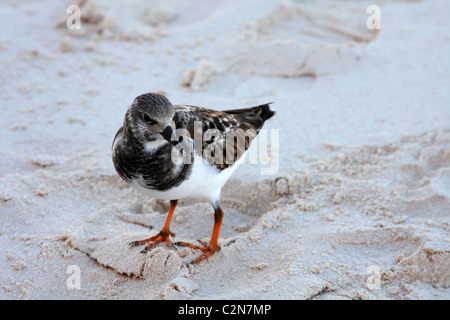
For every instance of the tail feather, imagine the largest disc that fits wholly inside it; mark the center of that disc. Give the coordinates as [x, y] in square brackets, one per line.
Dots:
[266, 112]
[255, 115]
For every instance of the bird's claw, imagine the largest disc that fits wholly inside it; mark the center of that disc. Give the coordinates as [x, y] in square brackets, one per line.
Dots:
[162, 236]
[207, 250]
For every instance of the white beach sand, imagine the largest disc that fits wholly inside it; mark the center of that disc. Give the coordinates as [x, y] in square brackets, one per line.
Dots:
[364, 149]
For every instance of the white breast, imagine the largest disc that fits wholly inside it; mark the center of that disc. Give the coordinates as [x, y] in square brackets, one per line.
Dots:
[204, 183]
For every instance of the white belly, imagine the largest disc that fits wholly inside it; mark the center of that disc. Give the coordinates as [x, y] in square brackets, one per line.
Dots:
[204, 183]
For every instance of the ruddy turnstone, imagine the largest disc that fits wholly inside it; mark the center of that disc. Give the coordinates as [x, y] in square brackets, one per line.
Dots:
[146, 153]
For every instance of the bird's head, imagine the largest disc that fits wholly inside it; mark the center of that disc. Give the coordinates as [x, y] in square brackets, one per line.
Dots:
[149, 117]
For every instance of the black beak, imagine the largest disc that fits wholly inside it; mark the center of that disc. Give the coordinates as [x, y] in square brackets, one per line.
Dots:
[167, 135]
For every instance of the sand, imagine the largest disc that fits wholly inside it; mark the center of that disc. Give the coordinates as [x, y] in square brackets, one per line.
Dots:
[359, 205]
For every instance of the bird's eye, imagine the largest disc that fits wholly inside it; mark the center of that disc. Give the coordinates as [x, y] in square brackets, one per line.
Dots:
[147, 119]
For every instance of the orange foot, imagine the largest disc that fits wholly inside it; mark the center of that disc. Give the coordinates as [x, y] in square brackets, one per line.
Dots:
[162, 236]
[207, 249]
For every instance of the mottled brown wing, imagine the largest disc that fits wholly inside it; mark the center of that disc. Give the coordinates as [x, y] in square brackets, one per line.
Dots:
[221, 137]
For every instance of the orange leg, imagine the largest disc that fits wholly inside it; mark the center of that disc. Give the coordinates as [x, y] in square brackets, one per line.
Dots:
[163, 235]
[210, 249]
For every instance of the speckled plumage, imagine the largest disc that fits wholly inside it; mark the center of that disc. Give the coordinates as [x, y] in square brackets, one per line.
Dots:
[133, 160]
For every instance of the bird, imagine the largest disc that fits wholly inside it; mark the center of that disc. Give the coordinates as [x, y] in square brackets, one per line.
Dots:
[174, 152]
